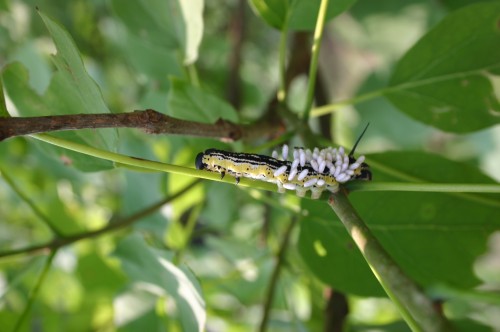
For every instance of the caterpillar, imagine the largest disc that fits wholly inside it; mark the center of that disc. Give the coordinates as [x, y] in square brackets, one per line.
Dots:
[316, 170]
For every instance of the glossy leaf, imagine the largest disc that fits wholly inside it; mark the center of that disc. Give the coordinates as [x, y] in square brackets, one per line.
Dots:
[153, 272]
[434, 237]
[303, 13]
[445, 79]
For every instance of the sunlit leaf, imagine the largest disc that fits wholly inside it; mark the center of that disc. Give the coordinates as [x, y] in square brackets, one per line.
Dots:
[153, 272]
[192, 12]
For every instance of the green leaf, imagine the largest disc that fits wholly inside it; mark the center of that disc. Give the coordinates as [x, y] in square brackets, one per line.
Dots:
[273, 12]
[303, 13]
[155, 273]
[135, 311]
[84, 96]
[156, 21]
[71, 91]
[444, 80]
[169, 24]
[155, 61]
[434, 237]
[191, 103]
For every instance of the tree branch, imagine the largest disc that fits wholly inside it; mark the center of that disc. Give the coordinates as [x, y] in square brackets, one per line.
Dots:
[112, 226]
[148, 120]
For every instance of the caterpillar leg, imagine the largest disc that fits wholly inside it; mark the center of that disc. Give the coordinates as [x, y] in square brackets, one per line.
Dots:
[281, 189]
[237, 180]
[333, 189]
[222, 174]
[316, 192]
[301, 192]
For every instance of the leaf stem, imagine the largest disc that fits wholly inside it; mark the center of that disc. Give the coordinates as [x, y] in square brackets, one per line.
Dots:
[273, 282]
[318, 34]
[318, 111]
[415, 307]
[188, 232]
[322, 110]
[193, 74]
[281, 95]
[35, 289]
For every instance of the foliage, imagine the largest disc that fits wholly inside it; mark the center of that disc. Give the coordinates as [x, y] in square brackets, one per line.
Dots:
[423, 75]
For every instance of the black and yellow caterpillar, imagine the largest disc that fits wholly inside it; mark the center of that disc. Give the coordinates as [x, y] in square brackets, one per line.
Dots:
[315, 170]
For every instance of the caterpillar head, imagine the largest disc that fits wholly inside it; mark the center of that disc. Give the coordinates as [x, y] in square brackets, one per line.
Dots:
[199, 161]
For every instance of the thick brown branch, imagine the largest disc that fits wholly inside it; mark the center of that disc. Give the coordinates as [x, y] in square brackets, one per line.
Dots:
[148, 120]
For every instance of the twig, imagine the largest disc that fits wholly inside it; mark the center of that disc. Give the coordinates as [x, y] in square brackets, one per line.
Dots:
[35, 289]
[415, 307]
[148, 120]
[336, 312]
[280, 257]
[39, 213]
[112, 226]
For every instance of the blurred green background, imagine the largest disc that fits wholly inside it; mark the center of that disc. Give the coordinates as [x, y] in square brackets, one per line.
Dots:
[136, 51]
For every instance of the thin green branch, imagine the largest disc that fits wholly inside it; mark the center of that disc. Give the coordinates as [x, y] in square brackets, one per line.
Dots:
[112, 226]
[425, 187]
[162, 167]
[395, 88]
[193, 74]
[148, 165]
[415, 307]
[188, 232]
[35, 289]
[327, 109]
[30, 203]
[282, 60]
[318, 34]
[273, 282]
